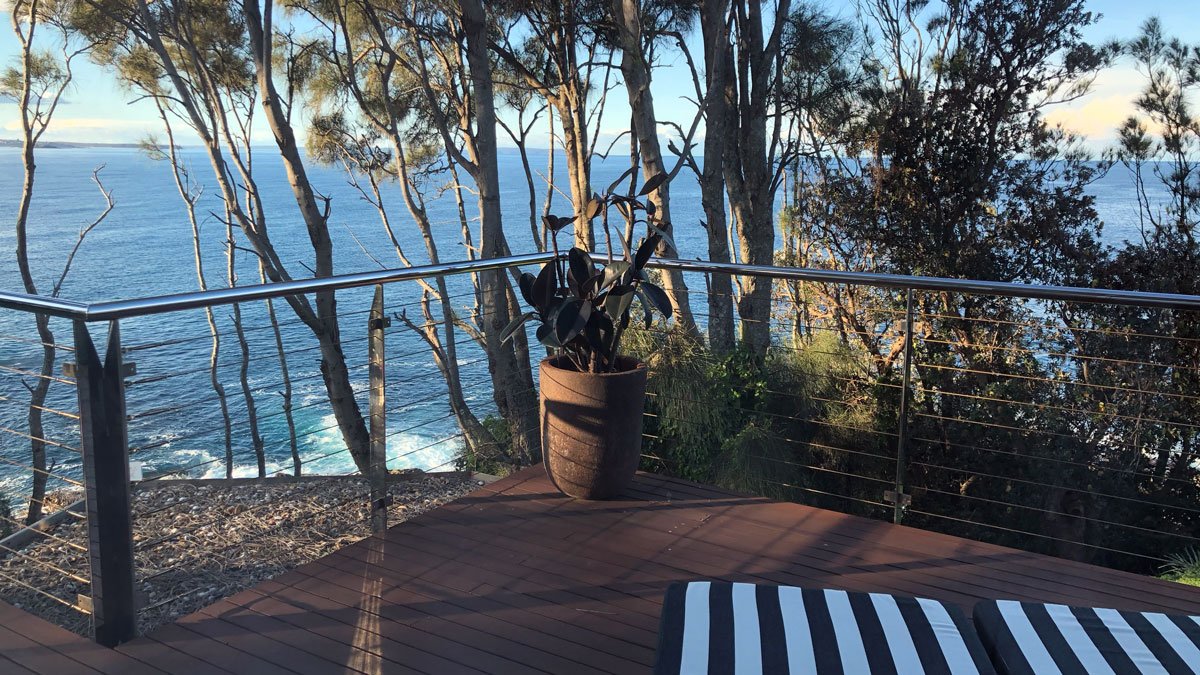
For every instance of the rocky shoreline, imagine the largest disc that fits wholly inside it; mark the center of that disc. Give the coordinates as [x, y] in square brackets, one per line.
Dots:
[199, 541]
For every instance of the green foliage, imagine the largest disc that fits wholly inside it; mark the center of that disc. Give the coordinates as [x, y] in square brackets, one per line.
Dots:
[762, 427]
[46, 74]
[493, 459]
[1183, 567]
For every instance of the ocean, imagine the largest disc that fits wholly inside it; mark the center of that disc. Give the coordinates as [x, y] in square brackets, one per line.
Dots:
[144, 248]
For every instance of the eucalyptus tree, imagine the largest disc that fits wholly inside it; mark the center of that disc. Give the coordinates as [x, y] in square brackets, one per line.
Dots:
[190, 192]
[476, 103]
[715, 31]
[371, 115]
[750, 159]
[208, 62]
[552, 48]
[637, 30]
[944, 164]
[36, 85]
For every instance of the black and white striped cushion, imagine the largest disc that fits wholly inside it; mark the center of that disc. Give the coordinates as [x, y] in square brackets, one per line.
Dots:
[715, 628]
[1024, 638]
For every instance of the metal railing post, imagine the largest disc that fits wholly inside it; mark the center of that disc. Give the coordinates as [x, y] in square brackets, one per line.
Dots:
[105, 449]
[901, 499]
[378, 402]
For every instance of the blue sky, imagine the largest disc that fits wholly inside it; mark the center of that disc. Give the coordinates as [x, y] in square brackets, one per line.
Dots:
[98, 111]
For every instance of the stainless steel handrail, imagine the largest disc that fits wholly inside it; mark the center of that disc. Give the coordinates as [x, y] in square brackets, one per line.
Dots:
[120, 309]
[40, 304]
[973, 286]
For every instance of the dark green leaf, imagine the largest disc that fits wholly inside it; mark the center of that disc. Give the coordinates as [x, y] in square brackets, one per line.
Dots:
[594, 333]
[544, 288]
[580, 266]
[665, 237]
[628, 172]
[618, 301]
[559, 223]
[526, 284]
[653, 183]
[615, 272]
[571, 319]
[645, 251]
[592, 285]
[658, 298]
[623, 208]
[595, 207]
[546, 336]
[515, 325]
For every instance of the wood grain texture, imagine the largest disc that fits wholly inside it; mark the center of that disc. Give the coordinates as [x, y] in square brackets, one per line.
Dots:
[515, 578]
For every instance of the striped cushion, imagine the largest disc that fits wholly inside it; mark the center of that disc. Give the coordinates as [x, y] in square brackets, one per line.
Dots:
[1025, 637]
[718, 627]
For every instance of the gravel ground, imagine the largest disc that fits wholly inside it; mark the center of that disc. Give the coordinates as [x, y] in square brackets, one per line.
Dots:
[198, 543]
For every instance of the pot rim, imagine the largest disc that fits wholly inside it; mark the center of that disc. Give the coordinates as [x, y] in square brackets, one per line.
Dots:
[549, 362]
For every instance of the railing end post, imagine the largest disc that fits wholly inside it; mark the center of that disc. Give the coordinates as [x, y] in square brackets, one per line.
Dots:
[105, 450]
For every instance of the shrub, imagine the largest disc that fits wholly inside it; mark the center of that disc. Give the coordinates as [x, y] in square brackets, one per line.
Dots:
[1183, 567]
[493, 459]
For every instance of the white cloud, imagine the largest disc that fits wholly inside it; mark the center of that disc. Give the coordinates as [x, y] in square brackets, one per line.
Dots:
[1098, 115]
[91, 129]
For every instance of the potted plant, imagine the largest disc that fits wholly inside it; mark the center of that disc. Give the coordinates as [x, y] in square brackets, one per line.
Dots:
[592, 396]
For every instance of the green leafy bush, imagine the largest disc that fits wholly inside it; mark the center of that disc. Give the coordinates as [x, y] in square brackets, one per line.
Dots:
[775, 427]
[493, 459]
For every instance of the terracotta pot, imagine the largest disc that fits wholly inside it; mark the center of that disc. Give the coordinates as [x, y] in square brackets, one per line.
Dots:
[592, 427]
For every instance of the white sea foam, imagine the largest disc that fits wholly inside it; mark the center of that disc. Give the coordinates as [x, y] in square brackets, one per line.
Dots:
[326, 452]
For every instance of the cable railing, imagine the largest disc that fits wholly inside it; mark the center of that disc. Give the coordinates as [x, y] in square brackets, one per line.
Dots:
[1065, 426]
[1063, 421]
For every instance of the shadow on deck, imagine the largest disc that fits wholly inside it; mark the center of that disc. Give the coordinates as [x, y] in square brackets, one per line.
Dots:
[515, 578]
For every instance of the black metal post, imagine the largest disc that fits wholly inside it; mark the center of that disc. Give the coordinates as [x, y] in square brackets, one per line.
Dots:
[378, 402]
[901, 498]
[105, 449]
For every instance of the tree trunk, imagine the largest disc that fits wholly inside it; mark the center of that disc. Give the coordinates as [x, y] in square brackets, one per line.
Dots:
[579, 170]
[748, 168]
[37, 393]
[333, 360]
[285, 373]
[636, 72]
[511, 378]
[712, 182]
[256, 439]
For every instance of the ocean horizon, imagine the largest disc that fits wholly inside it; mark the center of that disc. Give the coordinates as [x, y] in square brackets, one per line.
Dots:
[144, 248]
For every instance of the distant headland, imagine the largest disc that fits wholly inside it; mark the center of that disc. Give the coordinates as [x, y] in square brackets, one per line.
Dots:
[62, 145]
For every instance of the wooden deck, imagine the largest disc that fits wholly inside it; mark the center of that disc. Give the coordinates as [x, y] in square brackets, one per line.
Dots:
[515, 578]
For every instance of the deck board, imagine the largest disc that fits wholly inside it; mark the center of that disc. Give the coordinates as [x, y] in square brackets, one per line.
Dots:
[515, 578]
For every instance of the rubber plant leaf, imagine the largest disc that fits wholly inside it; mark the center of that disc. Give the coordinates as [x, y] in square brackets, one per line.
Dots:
[646, 250]
[544, 287]
[615, 272]
[653, 183]
[571, 319]
[513, 326]
[658, 298]
[526, 284]
[580, 267]
[618, 301]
